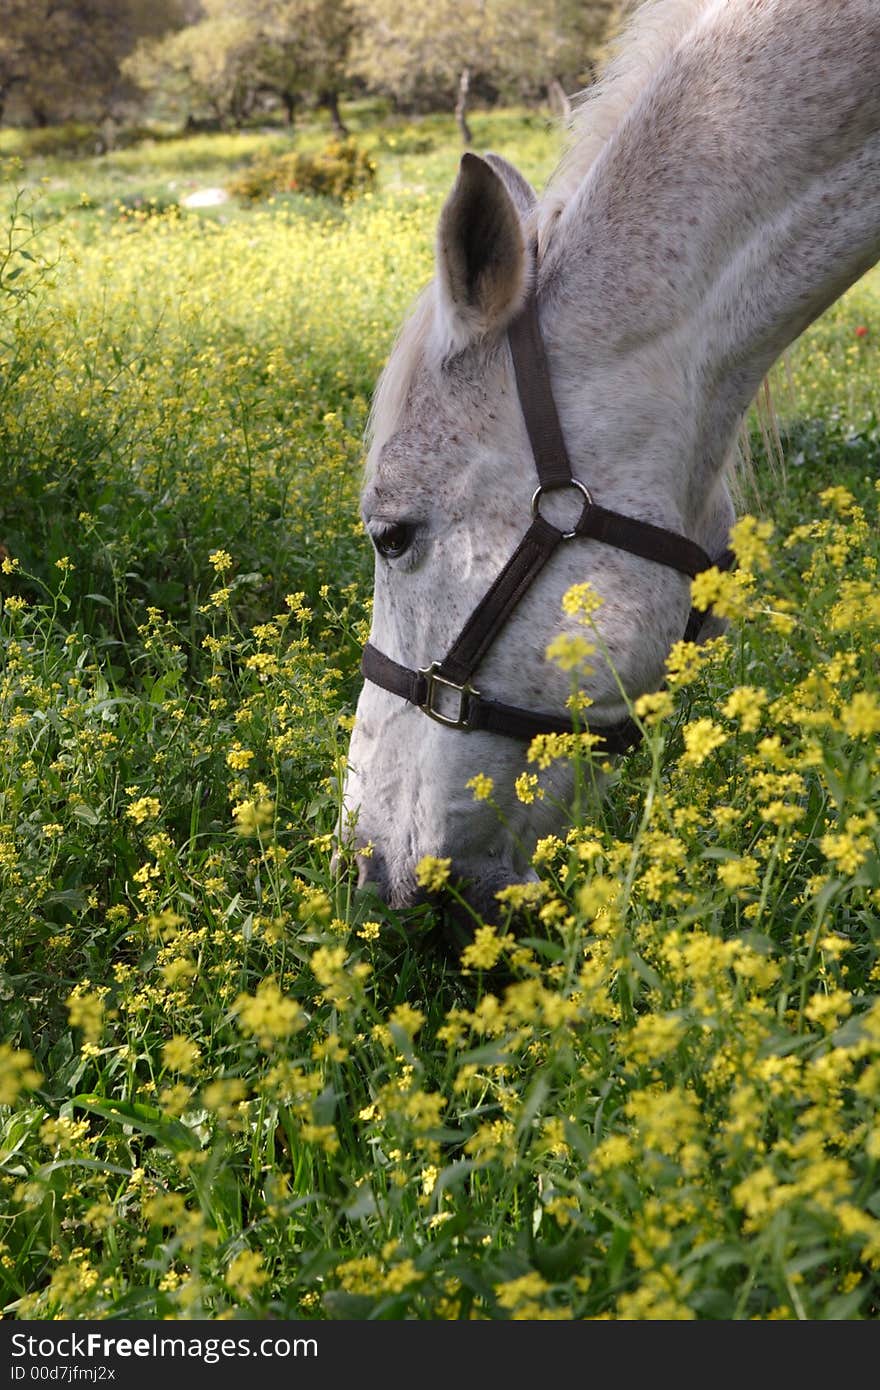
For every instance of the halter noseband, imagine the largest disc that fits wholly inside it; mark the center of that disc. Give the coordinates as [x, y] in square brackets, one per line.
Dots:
[451, 676]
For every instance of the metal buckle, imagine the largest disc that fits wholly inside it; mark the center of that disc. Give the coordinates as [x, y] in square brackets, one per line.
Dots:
[572, 482]
[462, 691]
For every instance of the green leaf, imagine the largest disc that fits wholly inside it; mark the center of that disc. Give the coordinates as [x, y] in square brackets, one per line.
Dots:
[144, 1119]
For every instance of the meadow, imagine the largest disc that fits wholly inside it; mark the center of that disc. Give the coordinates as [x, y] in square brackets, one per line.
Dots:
[232, 1087]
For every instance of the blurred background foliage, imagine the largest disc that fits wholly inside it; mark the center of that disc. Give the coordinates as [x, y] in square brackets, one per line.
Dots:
[111, 64]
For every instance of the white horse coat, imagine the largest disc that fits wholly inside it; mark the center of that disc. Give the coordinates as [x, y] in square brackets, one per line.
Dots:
[722, 188]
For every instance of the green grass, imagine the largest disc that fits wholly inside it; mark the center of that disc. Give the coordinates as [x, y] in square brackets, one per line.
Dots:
[415, 159]
[231, 1086]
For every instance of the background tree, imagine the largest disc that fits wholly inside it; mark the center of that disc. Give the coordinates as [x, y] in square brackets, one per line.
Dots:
[439, 51]
[305, 51]
[553, 45]
[425, 53]
[206, 68]
[61, 59]
[237, 52]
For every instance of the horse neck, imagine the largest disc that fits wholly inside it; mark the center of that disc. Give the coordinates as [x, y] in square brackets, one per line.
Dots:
[738, 199]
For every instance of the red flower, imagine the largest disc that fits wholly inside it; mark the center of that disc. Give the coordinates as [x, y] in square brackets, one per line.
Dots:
[861, 331]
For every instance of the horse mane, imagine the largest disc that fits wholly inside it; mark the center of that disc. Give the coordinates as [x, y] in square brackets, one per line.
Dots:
[634, 57]
[411, 344]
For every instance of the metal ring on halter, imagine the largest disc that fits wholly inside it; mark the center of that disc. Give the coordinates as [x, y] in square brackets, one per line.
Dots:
[572, 482]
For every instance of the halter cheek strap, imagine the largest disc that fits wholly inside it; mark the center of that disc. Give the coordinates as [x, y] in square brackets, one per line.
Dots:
[443, 690]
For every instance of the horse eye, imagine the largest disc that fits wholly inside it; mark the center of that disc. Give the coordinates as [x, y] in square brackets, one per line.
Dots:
[394, 540]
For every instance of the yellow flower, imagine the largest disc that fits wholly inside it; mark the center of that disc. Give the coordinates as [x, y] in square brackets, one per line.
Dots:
[245, 1273]
[432, 873]
[701, 737]
[145, 808]
[269, 1015]
[861, 717]
[827, 1010]
[239, 758]
[481, 786]
[569, 651]
[400, 1276]
[407, 1018]
[546, 748]
[429, 1178]
[221, 560]
[745, 704]
[616, 1151]
[329, 1049]
[179, 1054]
[485, 949]
[527, 789]
[16, 1074]
[654, 707]
[251, 817]
[64, 1133]
[739, 873]
[581, 600]
[838, 499]
[516, 1291]
[848, 850]
[724, 591]
[748, 541]
[784, 814]
[85, 1010]
[687, 659]
[653, 1036]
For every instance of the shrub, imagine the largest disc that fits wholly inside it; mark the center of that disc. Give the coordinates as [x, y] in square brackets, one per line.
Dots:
[73, 140]
[340, 170]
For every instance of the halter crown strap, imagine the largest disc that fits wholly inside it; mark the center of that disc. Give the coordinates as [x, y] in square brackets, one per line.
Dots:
[536, 392]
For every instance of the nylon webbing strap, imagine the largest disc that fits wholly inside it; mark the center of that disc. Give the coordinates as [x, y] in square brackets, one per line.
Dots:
[536, 396]
[391, 676]
[481, 628]
[496, 718]
[641, 538]
[492, 716]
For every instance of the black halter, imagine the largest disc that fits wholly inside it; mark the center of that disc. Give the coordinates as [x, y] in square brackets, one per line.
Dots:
[443, 690]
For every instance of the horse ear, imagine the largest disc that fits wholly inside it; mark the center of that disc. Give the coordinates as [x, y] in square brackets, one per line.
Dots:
[482, 267]
[521, 192]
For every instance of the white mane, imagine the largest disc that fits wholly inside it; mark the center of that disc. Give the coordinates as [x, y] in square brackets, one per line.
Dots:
[412, 341]
[636, 55]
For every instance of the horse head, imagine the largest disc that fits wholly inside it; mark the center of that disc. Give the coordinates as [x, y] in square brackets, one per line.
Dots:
[665, 275]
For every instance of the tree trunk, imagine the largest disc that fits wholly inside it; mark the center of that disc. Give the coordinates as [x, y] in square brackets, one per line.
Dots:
[289, 101]
[461, 121]
[559, 102]
[331, 101]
